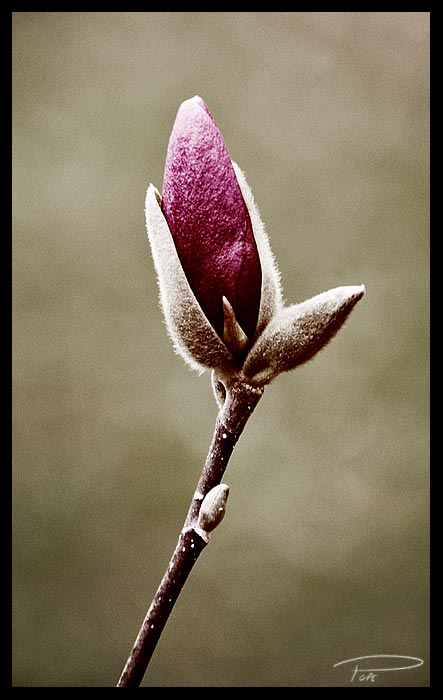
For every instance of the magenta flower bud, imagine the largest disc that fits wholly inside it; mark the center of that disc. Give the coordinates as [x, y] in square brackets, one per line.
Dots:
[210, 223]
[218, 280]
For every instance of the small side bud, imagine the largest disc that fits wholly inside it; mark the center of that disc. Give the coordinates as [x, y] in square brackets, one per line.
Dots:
[219, 390]
[212, 510]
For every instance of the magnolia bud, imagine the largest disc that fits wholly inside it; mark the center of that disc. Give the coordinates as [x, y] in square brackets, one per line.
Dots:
[219, 283]
[209, 221]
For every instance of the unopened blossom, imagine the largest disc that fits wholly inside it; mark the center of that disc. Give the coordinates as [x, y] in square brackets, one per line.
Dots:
[219, 284]
[209, 221]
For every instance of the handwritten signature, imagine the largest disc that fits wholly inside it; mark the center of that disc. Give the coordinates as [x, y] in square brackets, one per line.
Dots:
[369, 675]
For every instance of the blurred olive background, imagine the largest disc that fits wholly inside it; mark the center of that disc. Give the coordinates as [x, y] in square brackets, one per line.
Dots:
[323, 555]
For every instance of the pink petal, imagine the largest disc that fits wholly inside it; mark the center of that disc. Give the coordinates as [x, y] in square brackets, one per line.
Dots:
[206, 213]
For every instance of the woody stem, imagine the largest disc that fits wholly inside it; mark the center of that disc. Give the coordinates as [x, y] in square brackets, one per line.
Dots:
[239, 404]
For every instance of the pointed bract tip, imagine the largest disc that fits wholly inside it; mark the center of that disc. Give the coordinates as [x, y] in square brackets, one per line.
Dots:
[359, 290]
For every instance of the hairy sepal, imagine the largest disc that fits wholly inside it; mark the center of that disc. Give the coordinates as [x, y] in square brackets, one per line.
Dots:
[296, 333]
[271, 293]
[192, 335]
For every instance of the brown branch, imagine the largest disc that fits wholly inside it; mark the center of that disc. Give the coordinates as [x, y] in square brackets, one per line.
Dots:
[239, 403]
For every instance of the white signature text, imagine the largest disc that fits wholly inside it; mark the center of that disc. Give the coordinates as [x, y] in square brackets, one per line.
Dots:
[382, 663]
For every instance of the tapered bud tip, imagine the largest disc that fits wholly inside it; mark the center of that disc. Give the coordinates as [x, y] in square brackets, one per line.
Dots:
[190, 111]
[340, 297]
[193, 103]
[358, 290]
[212, 509]
[208, 219]
[355, 292]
